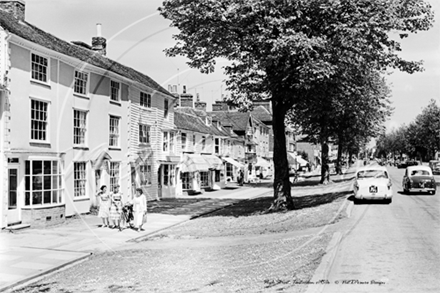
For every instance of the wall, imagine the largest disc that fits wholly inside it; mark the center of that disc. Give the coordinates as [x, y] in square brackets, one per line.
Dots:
[59, 94]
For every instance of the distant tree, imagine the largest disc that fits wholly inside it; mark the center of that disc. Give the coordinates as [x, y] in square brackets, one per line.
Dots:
[284, 50]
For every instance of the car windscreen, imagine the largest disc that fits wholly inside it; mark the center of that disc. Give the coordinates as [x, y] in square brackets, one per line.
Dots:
[420, 173]
[372, 174]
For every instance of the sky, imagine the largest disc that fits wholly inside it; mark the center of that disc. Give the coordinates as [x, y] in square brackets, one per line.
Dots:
[137, 36]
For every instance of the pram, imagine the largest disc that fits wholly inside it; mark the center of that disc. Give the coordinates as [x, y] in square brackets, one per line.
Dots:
[127, 216]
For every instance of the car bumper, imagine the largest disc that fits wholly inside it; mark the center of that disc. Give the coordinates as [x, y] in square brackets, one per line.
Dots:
[422, 189]
[373, 196]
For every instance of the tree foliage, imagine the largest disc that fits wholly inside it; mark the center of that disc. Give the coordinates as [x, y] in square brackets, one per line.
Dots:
[420, 139]
[293, 51]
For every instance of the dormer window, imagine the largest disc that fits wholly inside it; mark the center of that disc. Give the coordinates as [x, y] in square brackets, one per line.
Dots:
[208, 120]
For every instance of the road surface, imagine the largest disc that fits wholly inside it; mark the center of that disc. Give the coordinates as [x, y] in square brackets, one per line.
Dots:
[389, 247]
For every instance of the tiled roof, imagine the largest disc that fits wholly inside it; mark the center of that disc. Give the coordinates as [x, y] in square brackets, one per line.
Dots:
[194, 120]
[31, 33]
[186, 121]
[238, 120]
[262, 114]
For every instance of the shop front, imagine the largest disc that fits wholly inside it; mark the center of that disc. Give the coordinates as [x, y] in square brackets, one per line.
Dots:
[215, 177]
[232, 168]
[35, 191]
[193, 169]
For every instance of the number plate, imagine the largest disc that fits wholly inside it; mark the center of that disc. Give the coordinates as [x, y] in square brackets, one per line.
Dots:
[373, 189]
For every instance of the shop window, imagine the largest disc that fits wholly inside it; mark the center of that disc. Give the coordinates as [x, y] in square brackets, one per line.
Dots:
[43, 182]
[204, 181]
[186, 181]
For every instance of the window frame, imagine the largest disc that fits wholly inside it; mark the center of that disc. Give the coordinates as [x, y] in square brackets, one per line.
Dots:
[171, 144]
[114, 180]
[87, 83]
[47, 121]
[85, 127]
[112, 134]
[217, 147]
[165, 109]
[47, 73]
[145, 171]
[83, 179]
[165, 142]
[31, 180]
[118, 98]
[183, 140]
[146, 100]
[147, 131]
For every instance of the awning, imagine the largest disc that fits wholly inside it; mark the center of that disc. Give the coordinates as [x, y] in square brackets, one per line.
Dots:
[192, 163]
[233, 162]
[214, 162]
[301, 161]
[262, 163]
[294, 159]
[170, 160]
[291, 158]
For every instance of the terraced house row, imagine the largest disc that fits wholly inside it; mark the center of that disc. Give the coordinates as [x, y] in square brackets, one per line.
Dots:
[73, 120]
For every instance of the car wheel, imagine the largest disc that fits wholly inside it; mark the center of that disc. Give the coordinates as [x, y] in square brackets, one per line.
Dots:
[389, 200]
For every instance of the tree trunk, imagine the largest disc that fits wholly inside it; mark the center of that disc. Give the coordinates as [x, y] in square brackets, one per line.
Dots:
[281, 184]
[325, 170]
[339, 158]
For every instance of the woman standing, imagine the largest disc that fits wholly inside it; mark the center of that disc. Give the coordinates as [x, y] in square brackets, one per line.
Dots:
[104, 206]
[116, 207]
[139, 209]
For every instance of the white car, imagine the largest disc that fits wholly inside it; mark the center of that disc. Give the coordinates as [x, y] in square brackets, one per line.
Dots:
[373, 182]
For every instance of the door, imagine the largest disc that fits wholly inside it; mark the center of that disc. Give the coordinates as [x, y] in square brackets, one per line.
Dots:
[159, 182]
[13, 208]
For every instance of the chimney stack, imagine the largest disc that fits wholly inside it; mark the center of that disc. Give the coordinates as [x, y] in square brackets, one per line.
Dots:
[14, 7]
[199, 105]
[99, 43]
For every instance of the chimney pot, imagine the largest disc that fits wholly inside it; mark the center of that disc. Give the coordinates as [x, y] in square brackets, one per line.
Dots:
[98, 30]
[99, 43]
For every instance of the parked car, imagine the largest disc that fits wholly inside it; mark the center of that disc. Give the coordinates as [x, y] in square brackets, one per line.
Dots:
[373, 182]
[435, 166]
[419, 179]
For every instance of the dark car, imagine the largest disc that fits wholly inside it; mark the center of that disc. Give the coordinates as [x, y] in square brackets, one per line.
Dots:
[419, 179]
[435, 166]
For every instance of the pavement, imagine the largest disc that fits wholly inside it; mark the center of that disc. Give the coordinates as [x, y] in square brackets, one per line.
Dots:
[29, 254]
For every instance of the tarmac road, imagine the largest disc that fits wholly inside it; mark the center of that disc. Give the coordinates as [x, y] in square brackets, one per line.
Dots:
[388, 247]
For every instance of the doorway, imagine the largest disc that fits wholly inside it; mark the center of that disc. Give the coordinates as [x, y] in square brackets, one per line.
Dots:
[13, 208]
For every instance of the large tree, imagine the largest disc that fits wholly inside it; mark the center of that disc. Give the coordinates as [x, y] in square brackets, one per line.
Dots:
[279, 49]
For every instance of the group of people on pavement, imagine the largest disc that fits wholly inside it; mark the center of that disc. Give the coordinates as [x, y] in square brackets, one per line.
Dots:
[133, 213]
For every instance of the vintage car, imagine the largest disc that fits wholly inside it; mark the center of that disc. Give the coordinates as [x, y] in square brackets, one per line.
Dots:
[418, 179]
[373, 182]
[435, 166]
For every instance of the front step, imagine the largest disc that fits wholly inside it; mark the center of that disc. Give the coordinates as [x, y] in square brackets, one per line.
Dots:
[18, 227]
